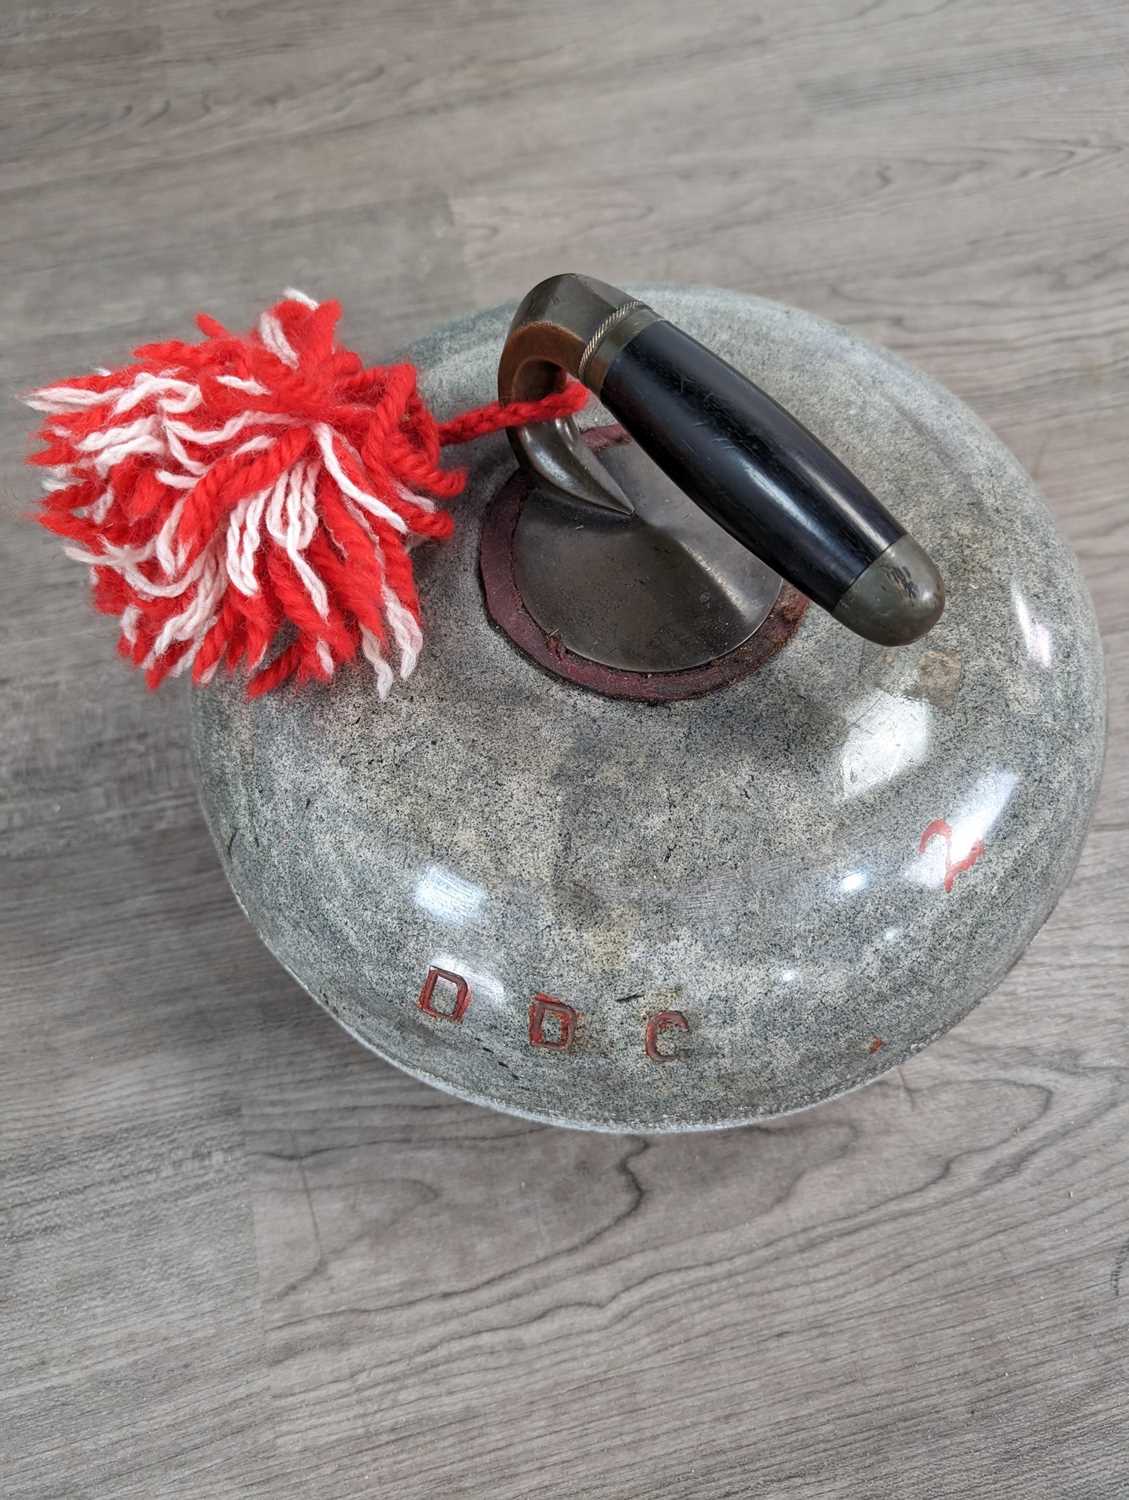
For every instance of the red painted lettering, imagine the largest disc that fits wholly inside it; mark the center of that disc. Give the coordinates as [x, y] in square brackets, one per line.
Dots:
[543, 1006]
[939, 829]
[663, 1020]
[462, 995]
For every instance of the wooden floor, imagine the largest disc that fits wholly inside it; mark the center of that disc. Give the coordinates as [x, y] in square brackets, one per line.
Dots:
[241, 1257]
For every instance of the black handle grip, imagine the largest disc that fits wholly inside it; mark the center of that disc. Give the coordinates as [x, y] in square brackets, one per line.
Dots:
[750, 464]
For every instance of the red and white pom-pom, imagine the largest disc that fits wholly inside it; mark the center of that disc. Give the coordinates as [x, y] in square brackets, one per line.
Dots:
[250, 489]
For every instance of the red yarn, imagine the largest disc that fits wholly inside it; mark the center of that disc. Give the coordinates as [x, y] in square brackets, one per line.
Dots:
[248, 487]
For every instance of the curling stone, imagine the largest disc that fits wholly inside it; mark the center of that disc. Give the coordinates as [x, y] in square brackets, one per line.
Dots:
[758, 731]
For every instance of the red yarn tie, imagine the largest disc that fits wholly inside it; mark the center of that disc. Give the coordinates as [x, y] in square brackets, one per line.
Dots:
[247, 487]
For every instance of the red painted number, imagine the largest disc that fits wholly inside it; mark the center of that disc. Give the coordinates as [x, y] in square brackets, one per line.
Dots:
[543, 1006]
[427, 995]
[939, 829]
[663, 1020]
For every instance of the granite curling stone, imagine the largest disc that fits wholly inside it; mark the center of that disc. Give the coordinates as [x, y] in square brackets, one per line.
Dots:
[649, 913]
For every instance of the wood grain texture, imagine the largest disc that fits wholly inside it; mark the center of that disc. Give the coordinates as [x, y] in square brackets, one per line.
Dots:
[239, 1256]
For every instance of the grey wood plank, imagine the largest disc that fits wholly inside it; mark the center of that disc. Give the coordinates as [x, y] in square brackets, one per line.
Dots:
[238, 1256]
[132, 1357]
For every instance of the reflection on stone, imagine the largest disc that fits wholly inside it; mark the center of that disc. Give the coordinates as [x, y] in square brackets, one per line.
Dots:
[887, 736]
[1036, 636]
[445, 896]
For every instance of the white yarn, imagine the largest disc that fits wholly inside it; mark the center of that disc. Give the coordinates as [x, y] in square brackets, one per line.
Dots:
[326, 438]
[253, 445]
[145, 385]
[270, 331]
[67, 398]
[196, 619]
[243, 536]
[425, 502]
[190, 655]
[385, 676]
[238, 383]
[109, 457]
[178, 451]
[98, 509]
[124, 562]
[109, 436]
[292, 520]
[122, 559]
[405, 632]
[169, 551]
[188, 402]
[231, 427]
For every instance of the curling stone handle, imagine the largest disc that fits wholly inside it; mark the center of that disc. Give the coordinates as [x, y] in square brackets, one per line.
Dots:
[752, 466]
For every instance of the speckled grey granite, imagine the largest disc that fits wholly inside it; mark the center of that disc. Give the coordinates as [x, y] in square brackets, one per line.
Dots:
[751, 858]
